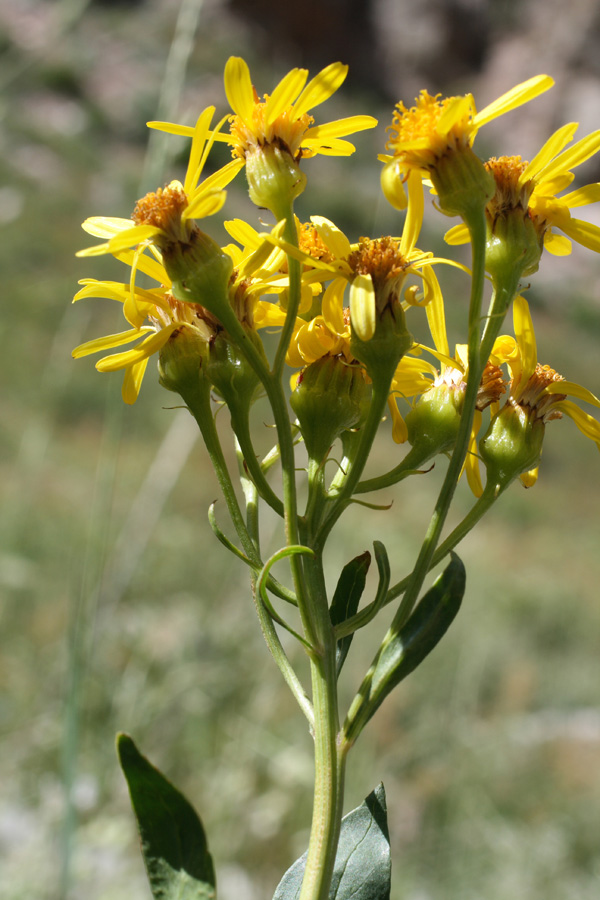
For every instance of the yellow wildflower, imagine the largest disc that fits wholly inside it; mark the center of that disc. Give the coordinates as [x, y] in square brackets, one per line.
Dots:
[532, 188]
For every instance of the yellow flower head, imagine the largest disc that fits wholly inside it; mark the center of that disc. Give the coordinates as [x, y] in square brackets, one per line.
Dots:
[435, 137]
[156, 315]
[532, 188]
[426, 132]
[166, 216]
[537, 392]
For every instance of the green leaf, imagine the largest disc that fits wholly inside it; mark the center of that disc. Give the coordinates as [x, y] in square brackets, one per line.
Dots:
[346, 598]
[363, 865]
[421, 633]
[174, 845]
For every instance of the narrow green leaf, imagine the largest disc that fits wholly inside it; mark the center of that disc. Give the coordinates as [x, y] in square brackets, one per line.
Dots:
[363, 865]
[421, 633]
[346, 598]
[174, 846]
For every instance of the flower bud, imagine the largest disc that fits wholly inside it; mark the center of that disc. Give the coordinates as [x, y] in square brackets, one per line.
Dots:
[231, 374]
[382, 352]
[330, 398]
[182, 362]
[512, 444]
[462, 183]
[432, 423]
[274, 179]
[200, 272]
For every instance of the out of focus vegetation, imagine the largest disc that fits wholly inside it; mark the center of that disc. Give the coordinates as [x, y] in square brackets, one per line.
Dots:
[120, 612]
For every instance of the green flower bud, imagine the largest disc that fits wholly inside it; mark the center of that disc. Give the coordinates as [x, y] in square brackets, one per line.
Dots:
[182, 362]
[432, 423]
[230, 372]
[274, 179]
[382, 352]
[512, 444]
[462, 183]
[200, 272]
[331, 397]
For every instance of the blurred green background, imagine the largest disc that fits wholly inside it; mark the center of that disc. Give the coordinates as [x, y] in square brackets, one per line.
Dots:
[120, 611]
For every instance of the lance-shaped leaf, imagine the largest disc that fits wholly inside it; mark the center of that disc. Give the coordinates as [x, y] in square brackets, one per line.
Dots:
[425, 628]
[363, 866]
[346, 598]
[174, 846]
[403, 650]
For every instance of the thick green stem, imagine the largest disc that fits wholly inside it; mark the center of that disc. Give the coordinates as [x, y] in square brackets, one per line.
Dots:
[329, 762]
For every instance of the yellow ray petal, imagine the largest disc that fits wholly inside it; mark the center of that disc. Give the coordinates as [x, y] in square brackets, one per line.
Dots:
[553, 145]
[198, 142]
[528, 479]
[341, 128]
[582, 196]
[238, 88]
[414, 217]
[320, 88]
[283, 95]
[334, 239]
[172, 128]
[587, 424]
[574, 156]
[331, 147]
[573, 390]
[362, 307]
[583, 233]
[458, 234]
[147, 348]
[206, 203]
[105, 226]
[132, 237]
[133, 381]
[223, 176]
[108, 342]
[525, 336]
[518, 95]
[557, 244]
[332, 306]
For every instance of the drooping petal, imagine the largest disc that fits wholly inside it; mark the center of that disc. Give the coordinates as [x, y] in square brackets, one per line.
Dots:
[588, 425]
[557, 244]
[363, 312]
[583, 233]
[332, 306]
[528, 479]
[458, 234]
[573, 390]
[414, 216]
[132, 381]
[525, 336]
[521, 93]
[320, 88]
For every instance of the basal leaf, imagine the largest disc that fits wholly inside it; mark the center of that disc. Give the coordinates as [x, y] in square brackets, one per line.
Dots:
[363, 866]
[174, 846]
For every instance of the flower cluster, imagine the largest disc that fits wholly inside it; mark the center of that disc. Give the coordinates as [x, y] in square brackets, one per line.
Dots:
[343, 308]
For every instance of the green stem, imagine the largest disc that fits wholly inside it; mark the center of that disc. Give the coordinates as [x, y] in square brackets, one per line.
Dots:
[198, 402]
[241, 428]
[329, 762]
[477, 228]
